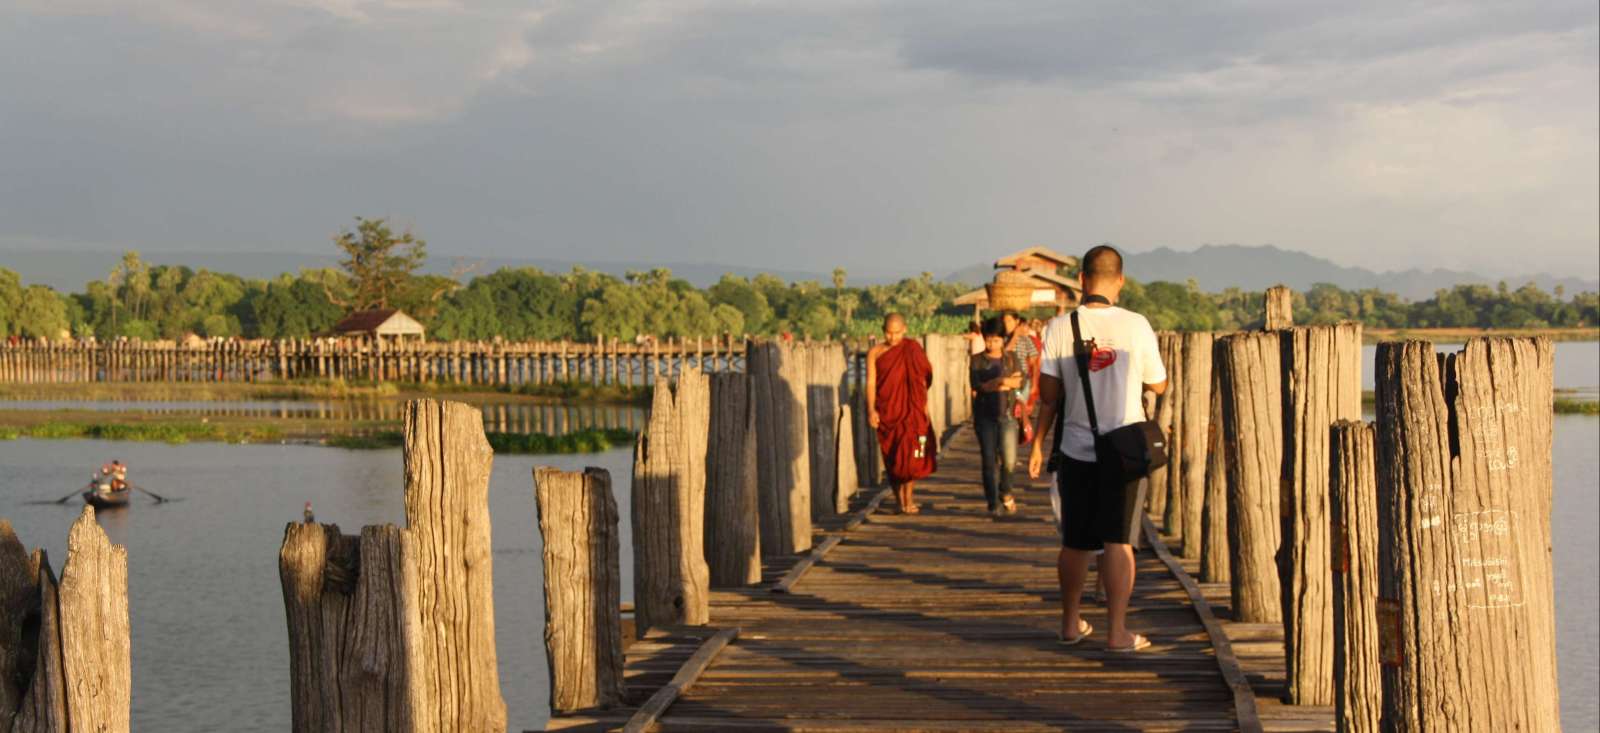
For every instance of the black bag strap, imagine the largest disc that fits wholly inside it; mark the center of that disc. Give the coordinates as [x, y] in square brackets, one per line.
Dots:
[1081, 355]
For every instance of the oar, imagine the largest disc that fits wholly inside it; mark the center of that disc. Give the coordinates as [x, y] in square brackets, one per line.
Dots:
[64, 499]
[159, 498]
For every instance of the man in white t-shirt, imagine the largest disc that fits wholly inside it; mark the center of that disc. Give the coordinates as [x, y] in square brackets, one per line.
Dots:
[1096, 514]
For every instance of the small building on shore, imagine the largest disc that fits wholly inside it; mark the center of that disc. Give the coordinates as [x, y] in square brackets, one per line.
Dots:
[1038, 267]
[382, 324]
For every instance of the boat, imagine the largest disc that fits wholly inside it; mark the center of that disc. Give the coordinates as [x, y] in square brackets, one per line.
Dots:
[101, 496]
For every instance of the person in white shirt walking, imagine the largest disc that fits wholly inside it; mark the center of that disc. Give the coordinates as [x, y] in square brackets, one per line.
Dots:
[1097, 514]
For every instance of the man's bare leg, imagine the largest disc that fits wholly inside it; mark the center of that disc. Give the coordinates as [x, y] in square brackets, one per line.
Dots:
[1072, 567]
[910, 501]
[1117, 569]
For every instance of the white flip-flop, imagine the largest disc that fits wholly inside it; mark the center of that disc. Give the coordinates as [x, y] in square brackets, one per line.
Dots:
[1084, 630]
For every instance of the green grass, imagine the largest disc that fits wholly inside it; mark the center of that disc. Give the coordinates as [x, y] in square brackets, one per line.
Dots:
[1569, 406]
[592, 440]
[166, 432]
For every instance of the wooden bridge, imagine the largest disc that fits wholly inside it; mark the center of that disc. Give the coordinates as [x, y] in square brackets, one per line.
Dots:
[946, 621]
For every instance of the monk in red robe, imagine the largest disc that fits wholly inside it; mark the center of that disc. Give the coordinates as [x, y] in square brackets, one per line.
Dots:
[898, 375]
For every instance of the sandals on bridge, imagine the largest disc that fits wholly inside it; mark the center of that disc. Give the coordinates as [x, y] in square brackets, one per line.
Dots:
[1139, 642]
[1084, 630]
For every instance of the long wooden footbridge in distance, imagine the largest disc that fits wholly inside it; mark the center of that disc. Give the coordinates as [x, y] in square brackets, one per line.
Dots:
[946, 621]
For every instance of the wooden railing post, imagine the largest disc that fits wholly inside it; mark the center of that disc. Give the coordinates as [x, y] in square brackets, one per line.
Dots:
[777, 385]
[582, 587]
[1164, 501]
[1252, 416]
[1321, 384]
[1191, 430]
[733, 519]
[394, 630]
[1353, 527]
[1465, 611]
[670, 578]
[825, 376]
[1279, 308]
[1215, 563]
[79, 668]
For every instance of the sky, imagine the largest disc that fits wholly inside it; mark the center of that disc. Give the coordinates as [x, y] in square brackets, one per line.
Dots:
[878, 135]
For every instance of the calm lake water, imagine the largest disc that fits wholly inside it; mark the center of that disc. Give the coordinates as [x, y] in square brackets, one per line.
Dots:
[210, 646]
[209, 640]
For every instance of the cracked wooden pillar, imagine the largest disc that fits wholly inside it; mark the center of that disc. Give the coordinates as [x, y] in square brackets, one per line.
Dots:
[670, 578]
[1248, 368]
[447, 464]
[777, 388]
[733, 520]
[1353, 528]
[1279, 308]
[824, 376]
[582, 587]
[64, 649]
[1321, 386]
[394, 630]
[845, 477]
[1192, 430]
[1214, 561]
[1465, 604]
[1165, 500]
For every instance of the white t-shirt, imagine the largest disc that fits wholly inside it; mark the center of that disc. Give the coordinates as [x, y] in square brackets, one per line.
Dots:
[1126, 358]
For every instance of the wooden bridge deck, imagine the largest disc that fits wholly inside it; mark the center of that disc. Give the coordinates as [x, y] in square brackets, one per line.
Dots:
[941, 621]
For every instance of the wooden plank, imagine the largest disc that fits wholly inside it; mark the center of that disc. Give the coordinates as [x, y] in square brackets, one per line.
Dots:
[800, 568]
[644, 719]
[1244, 698]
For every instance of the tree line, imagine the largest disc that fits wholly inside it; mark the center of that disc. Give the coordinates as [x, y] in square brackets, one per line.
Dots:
[381, 268]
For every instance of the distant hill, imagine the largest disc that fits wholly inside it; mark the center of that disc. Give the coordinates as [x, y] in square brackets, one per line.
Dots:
[68, 270]
[1217, 267]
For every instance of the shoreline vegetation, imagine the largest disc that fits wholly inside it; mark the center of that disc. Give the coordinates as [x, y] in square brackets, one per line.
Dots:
[325, 389]
[257, 429]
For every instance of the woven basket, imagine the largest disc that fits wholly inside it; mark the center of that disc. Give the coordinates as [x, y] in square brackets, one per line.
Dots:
[1011, 291]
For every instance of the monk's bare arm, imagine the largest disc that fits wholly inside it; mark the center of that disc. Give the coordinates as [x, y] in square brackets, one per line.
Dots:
[1049, 395]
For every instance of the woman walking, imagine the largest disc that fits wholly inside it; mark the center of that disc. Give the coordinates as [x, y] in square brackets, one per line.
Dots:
[996, 376]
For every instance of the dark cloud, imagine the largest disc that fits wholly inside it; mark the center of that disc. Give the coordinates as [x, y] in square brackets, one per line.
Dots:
[884, 136]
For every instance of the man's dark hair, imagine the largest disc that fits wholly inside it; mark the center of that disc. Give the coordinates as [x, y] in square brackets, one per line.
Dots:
[1012, 314]
[1101, 261]
[994, 327]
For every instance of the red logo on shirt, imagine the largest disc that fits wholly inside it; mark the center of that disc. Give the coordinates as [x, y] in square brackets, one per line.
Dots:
[1102, 358]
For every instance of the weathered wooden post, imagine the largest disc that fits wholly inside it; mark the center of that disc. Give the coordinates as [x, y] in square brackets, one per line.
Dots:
[1191, 433]
[68, 643]
[582, 587]
[394, 630]
[1280, 308]
[846, 482]
[1164, 500]
[1353, 526]
[868, 455]
[733, 518]
[1321, 385]
[1465, 606]
[1252, 417]
[670, 578]
[1215, 564]
[824, 377]
[777, 387]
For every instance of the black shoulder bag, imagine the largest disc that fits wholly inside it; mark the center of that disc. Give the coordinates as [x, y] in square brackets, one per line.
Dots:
[1129, 452]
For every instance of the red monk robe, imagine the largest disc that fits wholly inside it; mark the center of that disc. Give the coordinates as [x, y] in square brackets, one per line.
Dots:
[904, 433]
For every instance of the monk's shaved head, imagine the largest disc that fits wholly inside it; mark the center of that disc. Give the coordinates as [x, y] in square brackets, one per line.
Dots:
[894, 328]
[894, 319]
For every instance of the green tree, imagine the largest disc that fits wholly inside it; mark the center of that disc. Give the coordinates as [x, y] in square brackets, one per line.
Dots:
[10, 301]
[378, 262]
[42, 314]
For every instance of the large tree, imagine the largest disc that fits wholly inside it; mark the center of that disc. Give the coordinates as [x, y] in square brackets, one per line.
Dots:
[379, 262]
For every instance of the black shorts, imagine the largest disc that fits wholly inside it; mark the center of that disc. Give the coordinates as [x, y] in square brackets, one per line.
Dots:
[1095, 512]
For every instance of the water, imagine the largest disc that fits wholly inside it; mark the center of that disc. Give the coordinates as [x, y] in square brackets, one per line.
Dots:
[210, 646]
[1577, 364]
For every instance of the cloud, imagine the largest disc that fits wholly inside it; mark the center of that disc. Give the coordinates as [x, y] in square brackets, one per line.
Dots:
[866, 132]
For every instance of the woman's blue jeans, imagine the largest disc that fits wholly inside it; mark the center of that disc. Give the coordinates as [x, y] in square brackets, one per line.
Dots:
[997, 440]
